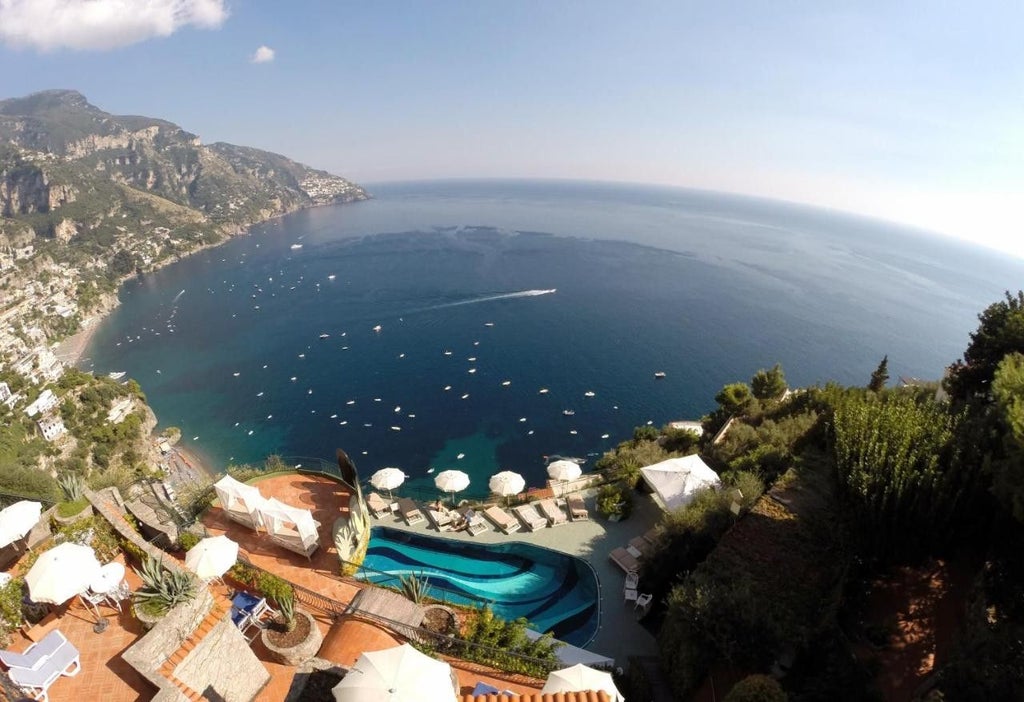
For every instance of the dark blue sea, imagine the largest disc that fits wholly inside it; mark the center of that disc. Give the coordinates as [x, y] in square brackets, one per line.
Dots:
[457, 275]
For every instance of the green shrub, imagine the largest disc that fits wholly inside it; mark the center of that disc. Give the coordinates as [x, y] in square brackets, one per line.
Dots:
[71, 486]
[414, 587]
[186, 540]
[615, 500]
[757, 688]
[507, 646]
[70, 509]
[162, 590]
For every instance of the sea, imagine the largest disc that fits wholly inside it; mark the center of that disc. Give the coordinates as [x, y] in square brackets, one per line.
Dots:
[490, 325]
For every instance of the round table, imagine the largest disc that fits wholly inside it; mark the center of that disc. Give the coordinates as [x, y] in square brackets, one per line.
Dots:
[109, 577]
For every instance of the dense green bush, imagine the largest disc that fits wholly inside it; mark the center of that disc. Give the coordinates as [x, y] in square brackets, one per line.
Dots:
[615, 500]
[508, 647]
[757, 688]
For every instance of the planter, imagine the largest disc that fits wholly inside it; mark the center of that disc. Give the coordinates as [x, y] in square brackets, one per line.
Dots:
[297, 653]
[147, 620]
[64, 521]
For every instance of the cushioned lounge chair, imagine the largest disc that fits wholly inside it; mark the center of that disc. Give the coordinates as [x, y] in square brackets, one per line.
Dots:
[622, 559]
[475, 523]
[377, 505]
[577, 510]
[529, 517]
[640, 545]
[441, 520]
[409, 511]
[34, 655]
[552, 512]
[501, 519]
[36, 682]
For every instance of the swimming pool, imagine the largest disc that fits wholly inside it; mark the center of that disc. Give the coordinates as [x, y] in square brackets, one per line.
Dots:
[552, 591]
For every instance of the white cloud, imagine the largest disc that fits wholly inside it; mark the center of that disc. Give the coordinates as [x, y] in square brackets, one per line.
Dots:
[46, 25]
[264, 54]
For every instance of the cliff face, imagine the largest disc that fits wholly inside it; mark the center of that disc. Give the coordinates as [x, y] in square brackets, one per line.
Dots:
[57, 149]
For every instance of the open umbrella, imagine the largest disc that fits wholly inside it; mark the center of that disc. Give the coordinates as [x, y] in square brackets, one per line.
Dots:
[452, 481]
[580, 678]
[564, 470]
[61, 573]
[400, 674]
[506, 483]
[387, 479]
[212, 557]
[18, 520]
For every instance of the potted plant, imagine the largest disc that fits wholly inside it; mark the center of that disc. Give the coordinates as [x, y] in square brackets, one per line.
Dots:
[75, 505]
[293, 637]
[161, 591]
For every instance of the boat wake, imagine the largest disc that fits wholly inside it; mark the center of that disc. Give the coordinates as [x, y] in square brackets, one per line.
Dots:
[178, 296]
[489, 298]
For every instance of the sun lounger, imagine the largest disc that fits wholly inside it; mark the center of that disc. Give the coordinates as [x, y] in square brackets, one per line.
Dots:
[377, 505]
[529, 517]
[34, 655]
[622, 559]
[577, 510]
[501, 519]
[409, 511]
[475, 523]
[552, 512]
[640, 545]
[652, 535]
[35, 682]
[440, 519]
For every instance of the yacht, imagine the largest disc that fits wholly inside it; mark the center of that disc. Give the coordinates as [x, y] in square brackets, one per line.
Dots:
[659, 375]
[116, 375]
[588, 393]
[378, 328]
[568, 413]
[296, 246]
[325, 335]
[543, 391]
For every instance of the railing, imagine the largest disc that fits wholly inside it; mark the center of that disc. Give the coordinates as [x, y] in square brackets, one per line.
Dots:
[9, 498]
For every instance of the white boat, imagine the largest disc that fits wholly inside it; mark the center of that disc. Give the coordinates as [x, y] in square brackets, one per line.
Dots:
[659, 375]
[296, 246]
[447, 388]
[605, 436]
[236, 374]
[543, 391]
[447, 353]
[460, 456]
[506, 383]
[488, 324]
[378, 328]
[325, 335]
[116, 375]
[471, 370]
[466, 396]
[330, 277]
[568, 413]
[396, 428]
[588, 393]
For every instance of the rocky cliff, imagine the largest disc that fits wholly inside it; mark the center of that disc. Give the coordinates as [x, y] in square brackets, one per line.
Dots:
[67, 165]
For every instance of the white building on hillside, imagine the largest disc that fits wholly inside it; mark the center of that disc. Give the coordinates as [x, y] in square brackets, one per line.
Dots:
[5, 392]
[51, 426]
[43, 404]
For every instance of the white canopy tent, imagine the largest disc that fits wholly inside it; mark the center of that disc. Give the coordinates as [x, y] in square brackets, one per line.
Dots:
[292, 527]
[676, 480]
[241, 502]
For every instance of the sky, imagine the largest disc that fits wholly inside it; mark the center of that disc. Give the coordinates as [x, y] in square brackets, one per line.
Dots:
[906, 111]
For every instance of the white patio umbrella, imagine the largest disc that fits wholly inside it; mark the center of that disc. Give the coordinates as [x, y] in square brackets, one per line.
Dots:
[212, 557]
[564, 470]
[580, 678]
[506, 483]
[387, 479]
[61, 573]
[18, 520]
[452, 481]
[400, 674]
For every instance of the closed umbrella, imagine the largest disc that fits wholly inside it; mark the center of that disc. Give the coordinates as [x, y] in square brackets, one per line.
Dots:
[564, 470]
[61, 573]
[506, 483]
[580, 678]
[400, 674]
[387, 479]
[18, 520]
[452, 481]
[212, 557]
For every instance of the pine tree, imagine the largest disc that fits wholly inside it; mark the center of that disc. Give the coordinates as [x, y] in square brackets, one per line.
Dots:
[881, 376]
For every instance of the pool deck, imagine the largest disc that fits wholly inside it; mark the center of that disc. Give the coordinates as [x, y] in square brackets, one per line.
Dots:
[619, 635]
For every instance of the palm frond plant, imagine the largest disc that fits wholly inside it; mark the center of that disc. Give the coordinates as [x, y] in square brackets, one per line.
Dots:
[286, 605]
[414, 587]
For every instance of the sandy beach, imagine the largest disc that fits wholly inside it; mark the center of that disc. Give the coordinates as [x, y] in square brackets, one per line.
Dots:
[70, 351]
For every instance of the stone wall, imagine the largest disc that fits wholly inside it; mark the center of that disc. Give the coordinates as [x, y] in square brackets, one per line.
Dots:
[223, 663]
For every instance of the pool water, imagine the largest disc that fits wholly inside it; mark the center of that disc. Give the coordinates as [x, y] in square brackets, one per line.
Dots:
[553, 591]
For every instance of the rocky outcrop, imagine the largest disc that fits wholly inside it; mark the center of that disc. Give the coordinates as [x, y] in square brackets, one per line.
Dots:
[23, 190]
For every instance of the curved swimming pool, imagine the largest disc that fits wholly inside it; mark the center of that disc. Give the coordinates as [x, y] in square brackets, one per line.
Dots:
[553, 591]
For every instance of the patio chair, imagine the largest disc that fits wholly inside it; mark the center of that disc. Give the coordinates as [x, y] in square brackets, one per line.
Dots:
[440, 519]
[632, 580]
[624, 560]
[501, 519]
[377, 505]
[629, 595]
[409, 511]
[33, 656]
[577, 510]
[249, 612]
[552, 512]
[529, 517]
[643, 600]
[36, 682]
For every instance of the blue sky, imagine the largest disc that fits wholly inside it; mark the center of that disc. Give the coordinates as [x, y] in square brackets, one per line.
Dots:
[912, 112]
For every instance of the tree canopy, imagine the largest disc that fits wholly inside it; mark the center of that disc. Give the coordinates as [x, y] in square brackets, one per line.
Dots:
[1001, 332]
[768, 384]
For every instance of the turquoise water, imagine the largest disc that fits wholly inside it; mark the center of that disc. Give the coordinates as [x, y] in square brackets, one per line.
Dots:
[708, 288]
[553, 591]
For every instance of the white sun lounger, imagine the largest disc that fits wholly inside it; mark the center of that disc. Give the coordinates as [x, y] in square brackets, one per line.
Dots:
[36, 682]
[552, 512]
[34, 655]
[501, 519]
[529, 517]
[377, 505]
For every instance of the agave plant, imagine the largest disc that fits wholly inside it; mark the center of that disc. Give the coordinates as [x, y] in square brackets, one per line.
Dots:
[71, 485]
[414, 587]
[286, 605]
[162, 589]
